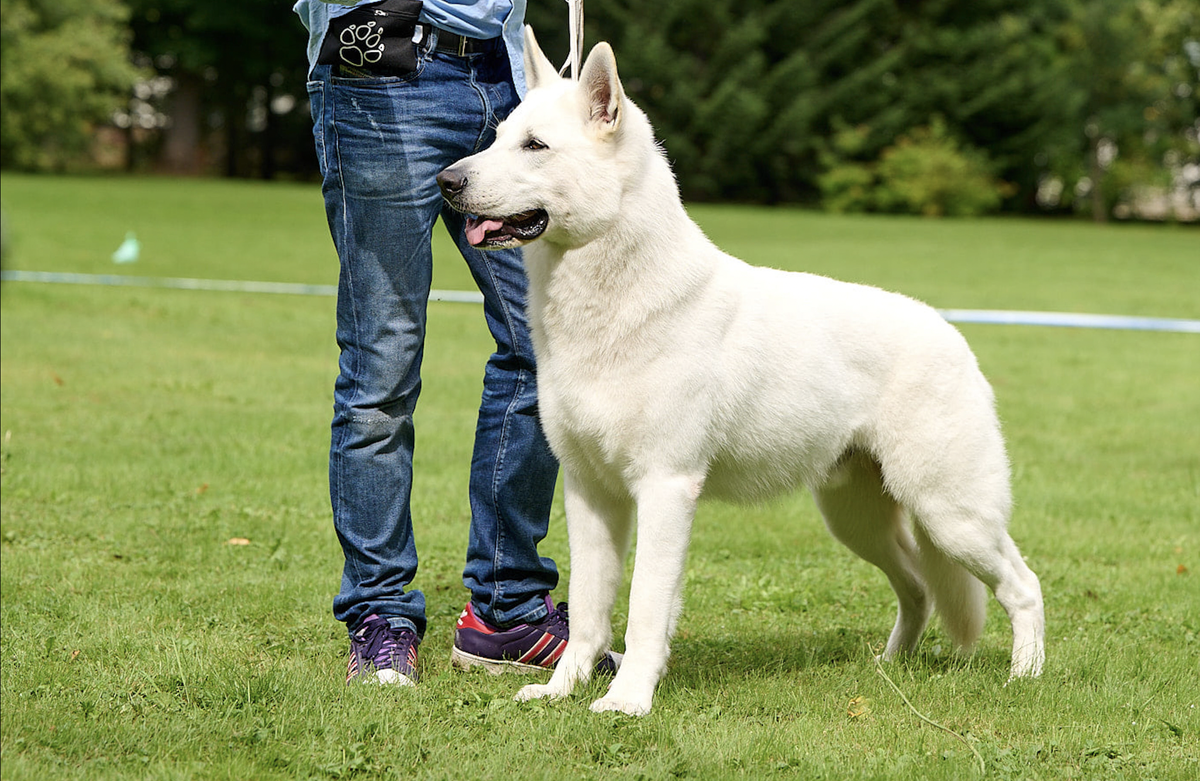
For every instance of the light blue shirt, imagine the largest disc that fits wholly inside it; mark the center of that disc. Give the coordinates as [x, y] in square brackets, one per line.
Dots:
[473, 18]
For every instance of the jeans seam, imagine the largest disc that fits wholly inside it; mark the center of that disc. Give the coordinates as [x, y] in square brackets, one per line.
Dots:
[345, 268]
[487, 106]
[319, 87]
[497, 472]
[502, 306]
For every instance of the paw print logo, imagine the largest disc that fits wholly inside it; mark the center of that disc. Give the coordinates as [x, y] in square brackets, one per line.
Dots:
[362, 44]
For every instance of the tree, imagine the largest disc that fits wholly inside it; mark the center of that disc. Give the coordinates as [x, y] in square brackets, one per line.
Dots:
[1135, 65]
[995, 70]
[237, 69]
[745, 93]
[64, 68]
[731, 86]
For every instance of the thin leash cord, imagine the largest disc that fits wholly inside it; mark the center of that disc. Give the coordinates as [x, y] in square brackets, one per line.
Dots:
[575, 25]
[929, 721]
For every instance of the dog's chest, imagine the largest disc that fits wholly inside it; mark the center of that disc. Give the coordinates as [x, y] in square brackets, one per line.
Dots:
[596, 421]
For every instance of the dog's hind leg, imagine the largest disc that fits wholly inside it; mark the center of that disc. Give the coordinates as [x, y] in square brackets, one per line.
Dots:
[861, 515]
[944, 461]
[666, 507]
[598, 527]
[960, 505]
[981, 544]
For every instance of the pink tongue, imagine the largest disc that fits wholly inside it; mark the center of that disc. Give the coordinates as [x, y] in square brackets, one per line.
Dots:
[478, 228]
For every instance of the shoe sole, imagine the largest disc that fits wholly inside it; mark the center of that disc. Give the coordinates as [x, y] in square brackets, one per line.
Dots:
[381, 678]
[465, 661]
[393, 679]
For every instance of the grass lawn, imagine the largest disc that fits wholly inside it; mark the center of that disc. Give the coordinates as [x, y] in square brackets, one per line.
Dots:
[147, 433]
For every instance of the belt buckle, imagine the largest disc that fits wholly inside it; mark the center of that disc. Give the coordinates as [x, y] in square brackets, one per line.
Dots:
[463, 43]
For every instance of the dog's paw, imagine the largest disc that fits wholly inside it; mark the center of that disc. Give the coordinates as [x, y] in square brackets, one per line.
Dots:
[628, 707]
[538, 691]
[1027, 663]
[1024, 674]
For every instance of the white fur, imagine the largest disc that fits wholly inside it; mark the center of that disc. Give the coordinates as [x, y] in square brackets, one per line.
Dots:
[668, 369]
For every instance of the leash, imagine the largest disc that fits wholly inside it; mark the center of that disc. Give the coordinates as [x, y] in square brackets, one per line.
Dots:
[575, 25]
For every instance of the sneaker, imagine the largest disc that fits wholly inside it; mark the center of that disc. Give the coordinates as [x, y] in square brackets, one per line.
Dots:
[389, 653]
[522, 648]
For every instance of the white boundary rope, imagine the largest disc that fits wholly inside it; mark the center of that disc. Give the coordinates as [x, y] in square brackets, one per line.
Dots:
[984, 316]
[221, 285]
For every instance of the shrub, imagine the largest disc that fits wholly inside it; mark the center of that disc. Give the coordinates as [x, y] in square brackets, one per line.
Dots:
[928, 172]
[64, 67]
[847, 183]
[847, 187]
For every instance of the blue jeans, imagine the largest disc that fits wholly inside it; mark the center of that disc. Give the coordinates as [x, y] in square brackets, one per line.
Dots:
[381, 141]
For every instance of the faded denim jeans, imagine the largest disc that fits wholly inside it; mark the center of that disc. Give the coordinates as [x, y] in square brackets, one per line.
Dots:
[381, 141]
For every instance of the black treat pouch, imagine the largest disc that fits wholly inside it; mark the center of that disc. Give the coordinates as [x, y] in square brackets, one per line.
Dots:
[373, 40]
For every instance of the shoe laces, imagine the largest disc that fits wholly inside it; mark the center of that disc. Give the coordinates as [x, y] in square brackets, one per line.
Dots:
[556, 619]
[381, 643]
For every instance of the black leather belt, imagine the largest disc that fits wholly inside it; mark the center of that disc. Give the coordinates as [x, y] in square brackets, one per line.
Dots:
[461, 45]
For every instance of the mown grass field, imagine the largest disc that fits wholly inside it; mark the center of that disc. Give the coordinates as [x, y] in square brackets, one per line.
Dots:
[144, 430]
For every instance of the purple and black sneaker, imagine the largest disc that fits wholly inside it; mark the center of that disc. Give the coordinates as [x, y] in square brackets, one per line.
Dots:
[388, 654]
[522, 648]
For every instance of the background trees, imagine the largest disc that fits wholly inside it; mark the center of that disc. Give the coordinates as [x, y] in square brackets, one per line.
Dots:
[238, 74]
[1134, 68]
[748, 94]
[64, 66]
[1019, 104]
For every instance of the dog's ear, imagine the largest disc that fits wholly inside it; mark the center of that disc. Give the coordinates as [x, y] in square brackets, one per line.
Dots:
[602, 87]
[538, 70]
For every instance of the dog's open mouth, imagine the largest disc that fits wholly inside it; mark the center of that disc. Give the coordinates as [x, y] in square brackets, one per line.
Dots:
[508, 231]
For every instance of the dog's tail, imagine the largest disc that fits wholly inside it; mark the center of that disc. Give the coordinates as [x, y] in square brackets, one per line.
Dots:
[958, 596]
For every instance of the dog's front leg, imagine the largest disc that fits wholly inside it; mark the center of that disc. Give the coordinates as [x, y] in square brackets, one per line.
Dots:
[598, 527]
[665, 509]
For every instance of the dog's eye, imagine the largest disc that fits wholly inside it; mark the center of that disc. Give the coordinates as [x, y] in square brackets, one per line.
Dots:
[534, 145]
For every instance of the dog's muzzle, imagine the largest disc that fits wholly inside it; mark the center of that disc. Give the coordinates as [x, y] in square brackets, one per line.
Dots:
[487, 232]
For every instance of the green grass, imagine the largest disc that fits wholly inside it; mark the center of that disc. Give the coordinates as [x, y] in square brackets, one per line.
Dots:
[144, 429]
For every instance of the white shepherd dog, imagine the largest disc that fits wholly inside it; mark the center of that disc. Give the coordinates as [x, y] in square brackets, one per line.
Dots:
[668, 369]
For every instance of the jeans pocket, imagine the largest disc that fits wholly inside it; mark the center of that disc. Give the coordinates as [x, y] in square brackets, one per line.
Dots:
[316, 107]
[357, 77]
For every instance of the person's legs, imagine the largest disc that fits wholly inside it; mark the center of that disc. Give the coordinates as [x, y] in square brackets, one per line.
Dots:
[512, 471]
[381, 142]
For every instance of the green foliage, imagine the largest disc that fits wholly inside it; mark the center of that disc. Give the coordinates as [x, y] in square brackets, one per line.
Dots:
[1134, 69]
[1078, 104]
[744, 94]
[145, 429]
[239, 73]
[740, 92]
[927, 171]
[847, 188]
[847, 182]
[64, 68]
[995, 71]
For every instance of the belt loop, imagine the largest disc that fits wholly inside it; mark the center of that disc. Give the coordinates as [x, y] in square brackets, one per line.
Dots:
[429, 37]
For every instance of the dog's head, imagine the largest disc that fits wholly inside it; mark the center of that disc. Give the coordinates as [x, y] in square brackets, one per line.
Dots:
[559, 162]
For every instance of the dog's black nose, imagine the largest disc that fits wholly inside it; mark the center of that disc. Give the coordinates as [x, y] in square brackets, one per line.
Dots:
[452, 182]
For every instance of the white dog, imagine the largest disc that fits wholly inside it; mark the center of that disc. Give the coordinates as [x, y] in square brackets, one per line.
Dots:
[668, 369]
